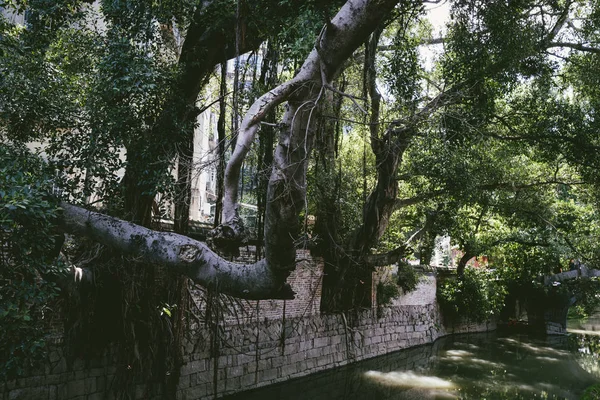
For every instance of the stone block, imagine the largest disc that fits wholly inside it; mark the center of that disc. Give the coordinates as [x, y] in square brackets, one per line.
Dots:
[288, 370]
[279, 361]
[90, 385]
[249, 368]
[264, 364]
[268, 375]
[247, 381]
[294, 358]
[193, 367]
[321, 342]
[95, 396]
[197, 392]
[75, 388]
[313, 353]
[28, 393]
[235, 371]
[324, 360]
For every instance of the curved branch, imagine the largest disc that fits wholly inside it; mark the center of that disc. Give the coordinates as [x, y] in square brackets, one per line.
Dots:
[250, 124]
[180, 253]
[575, 46]
[287, 186]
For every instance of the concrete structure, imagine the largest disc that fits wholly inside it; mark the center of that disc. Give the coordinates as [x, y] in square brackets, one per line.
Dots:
[551, 318]
[204, 175]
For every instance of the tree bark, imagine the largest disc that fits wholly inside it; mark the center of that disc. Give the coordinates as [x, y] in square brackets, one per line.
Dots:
[183, 187]
[388, 149]
[462, 263]
[180, 253]
[221, 144]
[287, 185]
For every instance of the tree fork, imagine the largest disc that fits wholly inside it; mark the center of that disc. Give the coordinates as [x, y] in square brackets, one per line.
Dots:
[287, 186]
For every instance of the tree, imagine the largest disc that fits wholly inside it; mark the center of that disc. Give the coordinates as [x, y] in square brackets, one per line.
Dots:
[286, 191]
[494, 77]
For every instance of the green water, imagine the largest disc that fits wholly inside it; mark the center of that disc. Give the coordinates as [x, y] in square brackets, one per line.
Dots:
[476, 366]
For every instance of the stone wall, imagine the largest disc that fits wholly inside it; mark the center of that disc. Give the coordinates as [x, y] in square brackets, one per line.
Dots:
[258, 350]
[270, 351]
[305, 280]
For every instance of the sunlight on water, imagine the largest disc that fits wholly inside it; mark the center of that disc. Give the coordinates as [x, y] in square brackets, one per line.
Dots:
[409, 379]
[459, 353]
[582, 332]
[535, 349]
[467, 345]
[544, 350]
[550, 359]
[474, 367]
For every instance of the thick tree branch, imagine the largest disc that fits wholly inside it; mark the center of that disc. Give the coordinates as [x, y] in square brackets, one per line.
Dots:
[389, 258]
[180, 253]
[287, 185]
[246, 136]
[575, 46]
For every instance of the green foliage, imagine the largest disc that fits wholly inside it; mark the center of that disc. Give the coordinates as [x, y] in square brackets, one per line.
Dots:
[591, 393]
[29, 266]
[476, 296]
[586, 292]
[386, 292]
[407, 278]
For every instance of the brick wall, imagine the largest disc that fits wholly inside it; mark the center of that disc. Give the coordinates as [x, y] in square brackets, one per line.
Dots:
[254, 352]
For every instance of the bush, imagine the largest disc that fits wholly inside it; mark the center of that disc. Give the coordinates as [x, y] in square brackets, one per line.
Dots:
[386, 292]
[28, 265]
[592, 392]
[476, 296]
[408, 279]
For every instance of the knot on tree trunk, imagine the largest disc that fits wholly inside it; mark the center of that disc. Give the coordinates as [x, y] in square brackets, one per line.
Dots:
[228, 237]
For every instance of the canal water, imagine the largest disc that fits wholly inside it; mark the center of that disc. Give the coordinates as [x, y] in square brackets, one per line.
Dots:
[474, 366]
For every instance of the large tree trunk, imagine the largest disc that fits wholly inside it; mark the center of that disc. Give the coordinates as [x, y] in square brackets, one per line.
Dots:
[268, 80]
[388, 149]
[206, 44]
[287, 185]
[183, 188]
[221, 143]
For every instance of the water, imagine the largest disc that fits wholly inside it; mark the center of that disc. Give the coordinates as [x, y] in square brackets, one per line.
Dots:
[476, 366]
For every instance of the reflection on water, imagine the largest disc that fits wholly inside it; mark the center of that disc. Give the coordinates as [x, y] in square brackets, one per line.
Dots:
[476, 366]
[408, 379]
